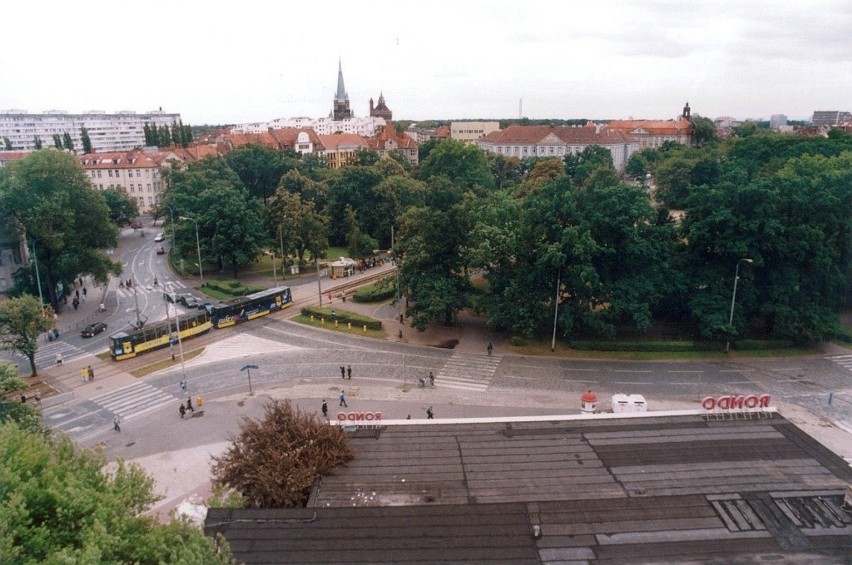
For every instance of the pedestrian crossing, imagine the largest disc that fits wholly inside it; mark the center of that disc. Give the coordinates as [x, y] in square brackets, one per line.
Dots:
[124, 293]
[134, 400]
[842, 360]
[46, 355]
[465, 371]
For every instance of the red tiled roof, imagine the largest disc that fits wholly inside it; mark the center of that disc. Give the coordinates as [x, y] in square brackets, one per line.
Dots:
[388, 133]
[653, 127]
[336, 140]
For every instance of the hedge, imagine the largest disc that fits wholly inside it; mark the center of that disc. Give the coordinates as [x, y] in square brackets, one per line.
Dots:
[234, 288]
[343, 317]
[653, 346]
[373, 293]
[761, 344]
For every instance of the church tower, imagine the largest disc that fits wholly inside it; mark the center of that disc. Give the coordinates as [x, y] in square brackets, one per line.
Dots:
[381, 110]
[340, 108]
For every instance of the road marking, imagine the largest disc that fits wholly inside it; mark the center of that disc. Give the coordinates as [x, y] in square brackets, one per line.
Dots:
[517, 377]
[631, 383]
[683, 371]
[629, 371]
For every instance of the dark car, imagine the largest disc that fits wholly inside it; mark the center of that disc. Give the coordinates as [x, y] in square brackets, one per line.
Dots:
[161, 250]
[93, 329]
[189, 301]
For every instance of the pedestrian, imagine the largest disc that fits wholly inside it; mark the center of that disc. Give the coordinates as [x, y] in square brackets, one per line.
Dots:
[324, 409]
[490, 348]
[115, 424]
[84, 294]
[189, 405]
[155, 280]
[429, 414]
[182, 410]
[75, 303]
[81, 281]
[77, 294]
[342, 372]
[38, 398]
[431, 379]
[183, 386]
[343, 296]
[121, 284]
[24, 398]
[349, 371]
[343, 399]
[91, 373]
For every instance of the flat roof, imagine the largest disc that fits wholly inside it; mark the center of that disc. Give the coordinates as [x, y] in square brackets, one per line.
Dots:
[597, 490]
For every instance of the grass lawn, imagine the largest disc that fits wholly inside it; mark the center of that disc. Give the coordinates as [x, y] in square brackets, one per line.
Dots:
[375, 334]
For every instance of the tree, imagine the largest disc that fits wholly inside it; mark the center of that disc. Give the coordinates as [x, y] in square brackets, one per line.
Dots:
[122, 208]
[22, 321]
[57, 505]
[67, 142]
[11, 410]
[37, 143]
[366, 157]
[302, 227]
[164, 138]
[57, 141]
[703, 130]
[276, 461]
[465, 165]
[47, 201]
[259, 168]
[580, 167]
[86, 141]
[358, 243]
[7, 143]
[354, 187]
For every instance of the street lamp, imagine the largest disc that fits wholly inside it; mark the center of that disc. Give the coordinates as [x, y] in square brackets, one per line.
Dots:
[172, 217]
[169, 290]
[733, 300]
[198, 245]
[274, 275]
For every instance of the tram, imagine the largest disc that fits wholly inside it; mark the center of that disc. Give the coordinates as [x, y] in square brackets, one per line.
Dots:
[125, 345]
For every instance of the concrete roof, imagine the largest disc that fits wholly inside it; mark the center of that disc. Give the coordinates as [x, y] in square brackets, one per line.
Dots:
[600, 490]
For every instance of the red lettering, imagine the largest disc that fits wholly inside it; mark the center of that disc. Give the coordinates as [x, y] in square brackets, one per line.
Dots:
[737, 402]
[368, 416]
[709, 403]
[341, 416]
[751, 401]
[378, 415]
[724, 402]
[359, 416]
[764, 401]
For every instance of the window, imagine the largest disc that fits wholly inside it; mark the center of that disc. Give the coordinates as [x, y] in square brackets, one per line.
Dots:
[109, 173]
[99, 174]
[149, 187]
[138, 173]
[132, 187]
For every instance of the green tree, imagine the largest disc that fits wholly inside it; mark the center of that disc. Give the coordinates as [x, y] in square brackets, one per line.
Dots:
[164, 137]
[23, 414]
[122, 208]
[22, 321]
[46, 199]
[57, 141]
[85, 140]
[275, 462]
[703, 130]
[7, 143]
[465, 165]
[358, 243]
[580, 167]
[353, 187]
[366, 157]
[37, 143]
[259, 168]
[302, 227]
[67, 142]
[58, 506]
[177, 134]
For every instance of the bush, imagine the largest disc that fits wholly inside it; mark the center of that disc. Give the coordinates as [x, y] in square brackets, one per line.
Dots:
[275, 462]
[517, 341]
[646, 346]
[373, 293]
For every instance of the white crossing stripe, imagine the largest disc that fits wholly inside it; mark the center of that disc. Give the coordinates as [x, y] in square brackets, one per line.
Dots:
[842, 360]
[466, 371]
[135, 400]
[124, 292]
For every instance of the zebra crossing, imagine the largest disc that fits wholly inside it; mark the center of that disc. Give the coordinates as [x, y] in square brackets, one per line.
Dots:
[46, 354]
[844, 361]
[124, 293]
[465, 371]
[134, 400]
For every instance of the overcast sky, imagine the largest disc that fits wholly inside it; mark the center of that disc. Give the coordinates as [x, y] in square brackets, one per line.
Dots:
[236, 62]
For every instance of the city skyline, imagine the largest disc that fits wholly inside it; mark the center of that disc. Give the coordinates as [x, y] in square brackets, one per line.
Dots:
[476, 59]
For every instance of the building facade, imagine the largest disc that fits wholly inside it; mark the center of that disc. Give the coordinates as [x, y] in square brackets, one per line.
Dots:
[470, 132]
[387, 139]
[340, 149]
[548, 141]
[653, 133]
[827, 118]
[121, 131]
[381, 109]
[135, 173]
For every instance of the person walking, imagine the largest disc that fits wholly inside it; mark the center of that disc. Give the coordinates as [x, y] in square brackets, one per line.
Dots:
[343, 399]
[490, 348]
[429, 414]
[116, 424]
[189, 405]
[182, 410]
[431, 379]
[183, 386]
[349, 371]
[342, 372]
[324, 409]
[91, 373]
[38, 398]
[84, 294]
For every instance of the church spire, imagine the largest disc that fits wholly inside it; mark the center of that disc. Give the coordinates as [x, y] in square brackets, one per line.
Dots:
[341, 96]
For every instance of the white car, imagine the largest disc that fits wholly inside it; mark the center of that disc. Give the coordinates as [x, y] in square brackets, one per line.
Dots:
[159, 237]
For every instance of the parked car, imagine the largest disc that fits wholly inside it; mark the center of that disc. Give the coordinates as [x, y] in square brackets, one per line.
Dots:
[93, 329]
[159, 237]
[189, 301]
[136, 224]
[161, 250]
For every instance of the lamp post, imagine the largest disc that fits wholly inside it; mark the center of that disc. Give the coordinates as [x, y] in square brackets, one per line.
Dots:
[38, 277]
[172, 218]
[734, 299]
[169, 290]
[283, 258]
[198, 245]
[274, 275]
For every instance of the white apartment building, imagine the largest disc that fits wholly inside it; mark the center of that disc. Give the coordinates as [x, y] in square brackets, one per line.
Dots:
[469, 132]
[366, 126]
[120, 131]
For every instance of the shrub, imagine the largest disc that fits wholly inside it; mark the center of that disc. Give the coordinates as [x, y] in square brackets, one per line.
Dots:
[647, 346]
[517, 341]
[373, 293]
[343, 316]
[275, 462]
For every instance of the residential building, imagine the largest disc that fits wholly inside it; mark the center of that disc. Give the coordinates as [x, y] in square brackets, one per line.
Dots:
[828, 118]
[387, 139]
[120, 131]
[11, 156]
[339, 149]
[470, 132]
[548, 141]
[776, 121]
[653, 133]
[381, 109]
